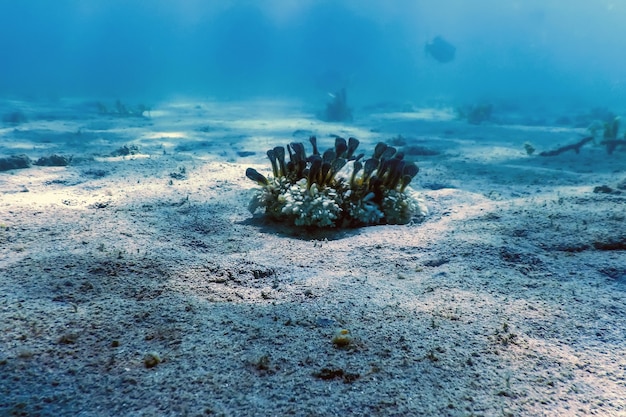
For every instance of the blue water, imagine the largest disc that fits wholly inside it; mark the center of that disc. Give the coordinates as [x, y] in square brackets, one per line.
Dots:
[551, 52]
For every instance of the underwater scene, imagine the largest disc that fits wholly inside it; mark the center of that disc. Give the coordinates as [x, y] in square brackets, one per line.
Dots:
[312, 208]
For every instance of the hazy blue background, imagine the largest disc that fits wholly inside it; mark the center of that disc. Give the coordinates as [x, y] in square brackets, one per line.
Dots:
[550, 51]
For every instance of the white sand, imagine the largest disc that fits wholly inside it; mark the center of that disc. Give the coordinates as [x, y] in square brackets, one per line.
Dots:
[509, 299]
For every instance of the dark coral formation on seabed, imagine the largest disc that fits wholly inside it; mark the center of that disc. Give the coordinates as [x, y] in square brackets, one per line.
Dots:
[337, 188]
[610, 139]
[337, 110]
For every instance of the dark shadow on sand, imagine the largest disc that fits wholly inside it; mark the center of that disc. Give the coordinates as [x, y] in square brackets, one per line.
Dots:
[266, 225]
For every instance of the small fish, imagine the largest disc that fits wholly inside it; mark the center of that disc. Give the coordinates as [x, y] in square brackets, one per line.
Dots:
[440, 49]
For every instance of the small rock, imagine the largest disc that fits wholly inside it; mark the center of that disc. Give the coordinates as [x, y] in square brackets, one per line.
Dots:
[68, 339]
[342, 338]
[151, 359]
[14, 162]
[53, 160]
[605, 189]
[95, 173]
[243, 154]
[126, 150]
[324, 322]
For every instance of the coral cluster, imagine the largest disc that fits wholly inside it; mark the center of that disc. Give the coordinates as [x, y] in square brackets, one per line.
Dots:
[337, 110]
[610, 140]
[121, 110]
[337, 188]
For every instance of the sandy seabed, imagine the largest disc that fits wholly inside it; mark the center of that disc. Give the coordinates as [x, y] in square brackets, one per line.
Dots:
[140, 285]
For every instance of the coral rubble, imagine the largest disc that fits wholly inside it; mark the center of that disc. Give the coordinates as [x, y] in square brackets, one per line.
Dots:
[573, 147]
[337, 188]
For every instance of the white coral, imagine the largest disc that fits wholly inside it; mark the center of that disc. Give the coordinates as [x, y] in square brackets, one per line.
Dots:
[365, 211]
[269, 197]
[402, 207]
[312, 207]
